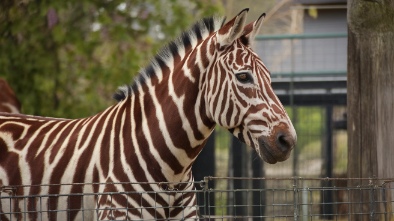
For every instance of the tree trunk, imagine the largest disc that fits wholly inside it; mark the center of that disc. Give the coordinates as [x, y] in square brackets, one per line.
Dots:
[370, 103]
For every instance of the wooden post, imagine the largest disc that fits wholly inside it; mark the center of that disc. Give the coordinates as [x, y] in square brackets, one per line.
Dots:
[370, 99]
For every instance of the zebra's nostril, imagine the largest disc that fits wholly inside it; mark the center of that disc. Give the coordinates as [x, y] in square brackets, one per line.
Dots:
[284, 142]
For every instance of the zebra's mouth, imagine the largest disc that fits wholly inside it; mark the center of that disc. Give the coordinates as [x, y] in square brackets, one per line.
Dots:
[271, 152]
[265, 153]
[272, 149]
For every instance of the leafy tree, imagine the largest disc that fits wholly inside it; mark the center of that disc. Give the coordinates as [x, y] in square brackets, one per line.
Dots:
[66, 58]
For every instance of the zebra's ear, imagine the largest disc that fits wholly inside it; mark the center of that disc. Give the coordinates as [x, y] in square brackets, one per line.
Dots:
[232, 29]
[252, 29]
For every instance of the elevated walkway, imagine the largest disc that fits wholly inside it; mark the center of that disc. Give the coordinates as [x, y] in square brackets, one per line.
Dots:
[311, 89]
[307, 69]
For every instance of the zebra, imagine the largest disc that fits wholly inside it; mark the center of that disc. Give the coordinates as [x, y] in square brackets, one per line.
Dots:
[8, 101]
[208, 76]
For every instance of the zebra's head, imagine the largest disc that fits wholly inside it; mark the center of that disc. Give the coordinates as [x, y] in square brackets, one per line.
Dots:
[241, 98]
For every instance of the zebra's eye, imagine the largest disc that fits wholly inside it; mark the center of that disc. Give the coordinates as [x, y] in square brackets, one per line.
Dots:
[244, 77]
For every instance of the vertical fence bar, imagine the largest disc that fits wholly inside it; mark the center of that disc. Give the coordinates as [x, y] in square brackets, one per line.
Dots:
[384, 201]
[387, 199]
[295, 198]
[83, 206]
[371, 200]
[40, 212]
[209, 193]
[97, 204]
[257, 184]
[304, 204]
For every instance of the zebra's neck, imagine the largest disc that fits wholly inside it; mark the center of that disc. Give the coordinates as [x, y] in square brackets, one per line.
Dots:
[168, 119]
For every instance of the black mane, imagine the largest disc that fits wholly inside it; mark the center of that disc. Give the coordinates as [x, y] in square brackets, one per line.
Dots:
[196, 33]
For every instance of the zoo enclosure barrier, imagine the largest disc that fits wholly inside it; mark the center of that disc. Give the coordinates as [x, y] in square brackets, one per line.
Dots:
[280, 199]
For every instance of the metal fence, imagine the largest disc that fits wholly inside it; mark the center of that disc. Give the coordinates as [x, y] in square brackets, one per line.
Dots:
[280, 199]
[304, 199]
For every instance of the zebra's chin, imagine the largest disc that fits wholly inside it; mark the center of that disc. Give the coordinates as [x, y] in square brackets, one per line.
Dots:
[272, 149]
[265, 153]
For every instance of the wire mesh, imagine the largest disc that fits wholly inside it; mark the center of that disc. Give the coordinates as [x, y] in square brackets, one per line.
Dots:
[279, 199]
[306, 199]
[90, 201]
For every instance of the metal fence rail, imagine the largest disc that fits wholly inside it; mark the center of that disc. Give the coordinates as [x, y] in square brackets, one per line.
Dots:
[305, 199]
[280, 199]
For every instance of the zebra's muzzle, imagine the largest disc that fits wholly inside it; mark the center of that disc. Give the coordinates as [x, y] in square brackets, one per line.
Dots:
[276, 148]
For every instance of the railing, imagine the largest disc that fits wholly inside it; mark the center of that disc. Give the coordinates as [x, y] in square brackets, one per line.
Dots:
[307, 69]
[280, 199]
[301, 36]
[304, 54]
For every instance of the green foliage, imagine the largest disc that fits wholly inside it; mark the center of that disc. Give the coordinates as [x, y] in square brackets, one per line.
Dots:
[66, 58]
